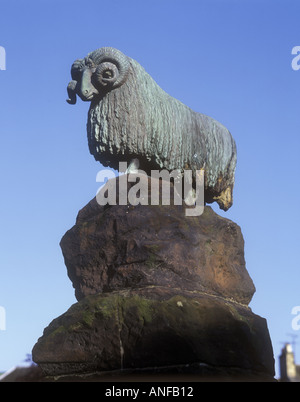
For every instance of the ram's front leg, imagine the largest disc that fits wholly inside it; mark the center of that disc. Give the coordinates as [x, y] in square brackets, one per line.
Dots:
[133, 166]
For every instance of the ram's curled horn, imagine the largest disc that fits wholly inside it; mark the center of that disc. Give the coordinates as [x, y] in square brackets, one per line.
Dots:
[72, 92]
[111, 67]
[76, 71]
[77, 68]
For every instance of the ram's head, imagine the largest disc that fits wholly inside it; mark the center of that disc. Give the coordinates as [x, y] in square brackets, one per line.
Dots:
[101, 71]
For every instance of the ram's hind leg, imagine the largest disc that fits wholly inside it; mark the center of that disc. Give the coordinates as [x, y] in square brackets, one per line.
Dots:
[133, 166]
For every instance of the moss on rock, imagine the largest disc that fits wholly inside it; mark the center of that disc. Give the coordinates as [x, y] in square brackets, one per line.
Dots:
[154, 327]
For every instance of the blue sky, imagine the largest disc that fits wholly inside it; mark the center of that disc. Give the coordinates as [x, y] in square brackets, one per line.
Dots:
[229, 59]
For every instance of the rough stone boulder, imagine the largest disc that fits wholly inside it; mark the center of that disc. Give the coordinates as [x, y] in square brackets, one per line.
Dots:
[124, 246]
[154, 328]
[158, 292]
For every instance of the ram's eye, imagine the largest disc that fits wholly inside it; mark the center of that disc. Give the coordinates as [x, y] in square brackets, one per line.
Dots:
[107, 74]
[76, 74]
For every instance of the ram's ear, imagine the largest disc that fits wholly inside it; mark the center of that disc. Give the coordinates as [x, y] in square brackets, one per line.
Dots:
[72, 92]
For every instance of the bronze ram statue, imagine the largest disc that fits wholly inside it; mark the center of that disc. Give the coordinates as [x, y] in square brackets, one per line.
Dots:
[132, 117]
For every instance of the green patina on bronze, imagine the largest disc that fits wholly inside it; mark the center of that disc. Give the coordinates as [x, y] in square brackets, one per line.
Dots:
[132, 117]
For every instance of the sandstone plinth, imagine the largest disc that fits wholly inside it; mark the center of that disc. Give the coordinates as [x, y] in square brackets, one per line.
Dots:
[158, 292]
[118, 247]
[154, 328]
